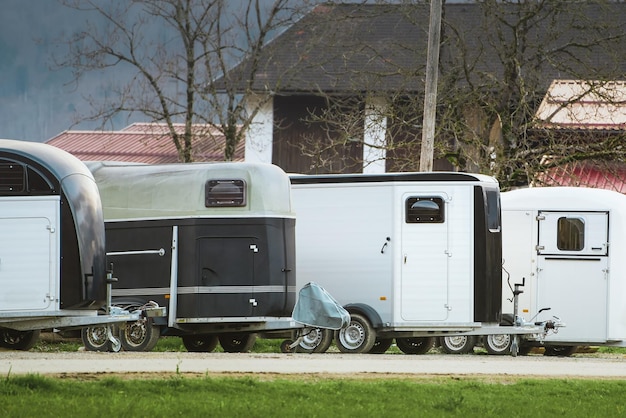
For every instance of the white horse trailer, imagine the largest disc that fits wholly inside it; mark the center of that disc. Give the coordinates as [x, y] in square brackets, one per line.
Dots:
[567, 244]
[409, 255]
[52, 251]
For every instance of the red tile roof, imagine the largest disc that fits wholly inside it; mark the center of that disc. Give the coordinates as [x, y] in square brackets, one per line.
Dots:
[143, 143]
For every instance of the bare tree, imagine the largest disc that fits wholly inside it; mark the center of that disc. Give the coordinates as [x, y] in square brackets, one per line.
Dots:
[497, 61]
[496, 102]
[167, 53]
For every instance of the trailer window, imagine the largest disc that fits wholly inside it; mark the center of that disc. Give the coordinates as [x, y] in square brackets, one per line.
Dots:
[21, 179]
[493, 210]
[424, 210]
[225, 193]
[570, 234]
[12, 177]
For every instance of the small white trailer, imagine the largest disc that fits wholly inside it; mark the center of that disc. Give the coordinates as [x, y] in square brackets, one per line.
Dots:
[52, 254]
[411, 256]
[567, 244]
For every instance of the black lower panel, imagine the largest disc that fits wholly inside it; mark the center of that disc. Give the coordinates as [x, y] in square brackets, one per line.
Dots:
[226, 267]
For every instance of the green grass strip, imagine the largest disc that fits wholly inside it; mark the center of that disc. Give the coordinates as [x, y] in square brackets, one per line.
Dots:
[35, 395]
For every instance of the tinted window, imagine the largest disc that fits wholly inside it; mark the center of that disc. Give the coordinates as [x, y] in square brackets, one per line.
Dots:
[18, 178]
[570, 234]
[424, 210]
[493, 210]
[12, 177]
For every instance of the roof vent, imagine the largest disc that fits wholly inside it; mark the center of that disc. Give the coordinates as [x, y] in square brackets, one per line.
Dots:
[225, 193]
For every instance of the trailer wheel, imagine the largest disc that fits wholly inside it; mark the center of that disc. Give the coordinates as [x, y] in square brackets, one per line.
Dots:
[285, 346]
[96, 339]
[315, 340]
[237, 343]
[415, 345]
[200, 343]
[458, 344]
[141, 335]
[498, 344]
[358, 337]
[560, 350]
[18, 340]
[381, 345]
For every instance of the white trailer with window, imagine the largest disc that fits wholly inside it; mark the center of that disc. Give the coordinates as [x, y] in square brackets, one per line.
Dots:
[568, 245]
[52, 252]
[409, 255]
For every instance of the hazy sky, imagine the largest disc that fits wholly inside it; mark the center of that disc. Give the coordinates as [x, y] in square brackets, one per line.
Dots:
[37, 103]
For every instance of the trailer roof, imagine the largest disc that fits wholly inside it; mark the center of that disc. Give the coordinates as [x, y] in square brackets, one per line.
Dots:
[435, 176]
[61, 164]
[150, 191]
[563, 199]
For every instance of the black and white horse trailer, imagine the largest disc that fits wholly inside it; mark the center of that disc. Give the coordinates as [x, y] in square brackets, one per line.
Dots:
[213, 242]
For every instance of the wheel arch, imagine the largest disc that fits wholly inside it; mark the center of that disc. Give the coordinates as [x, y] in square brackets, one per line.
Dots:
[367, 311]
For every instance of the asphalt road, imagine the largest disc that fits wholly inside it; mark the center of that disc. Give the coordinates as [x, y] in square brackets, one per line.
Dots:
[331, 364]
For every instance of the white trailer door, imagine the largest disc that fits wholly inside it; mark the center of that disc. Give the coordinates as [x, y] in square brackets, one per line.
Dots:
[27, 270]
[572, 273]
[424, 289]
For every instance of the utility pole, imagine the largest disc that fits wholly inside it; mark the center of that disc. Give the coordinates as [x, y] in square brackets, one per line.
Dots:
[430, 95]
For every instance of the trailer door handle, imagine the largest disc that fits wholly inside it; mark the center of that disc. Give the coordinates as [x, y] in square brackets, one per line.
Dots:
[382, 250]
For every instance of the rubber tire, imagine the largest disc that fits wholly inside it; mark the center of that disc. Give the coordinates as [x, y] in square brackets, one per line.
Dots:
[317, 340]
[200, 343]
[458, 344]
[560, 350]
[415, 345]
[141, 335]
[284, 347]
[237, 343]
[95, 339]
[381, 345]
[18, 340]
[498, 344]
[357, 338]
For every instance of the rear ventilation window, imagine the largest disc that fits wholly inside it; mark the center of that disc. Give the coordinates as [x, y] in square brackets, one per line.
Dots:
[225, 193]
[22, 179]
[12, 178]
[424, 210]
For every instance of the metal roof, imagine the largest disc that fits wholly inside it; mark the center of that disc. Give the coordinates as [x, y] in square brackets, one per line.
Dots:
[143, 143]
[596, 174]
